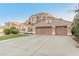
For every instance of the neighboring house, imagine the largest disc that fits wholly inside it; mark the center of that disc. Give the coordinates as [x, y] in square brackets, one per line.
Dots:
[13, 24]
[22, 27]
[1, 29]
[43, 24]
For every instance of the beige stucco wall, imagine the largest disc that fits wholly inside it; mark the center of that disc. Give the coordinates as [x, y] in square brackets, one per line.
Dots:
[60, 22]
[55, 22]
[33, 30]
[53, 30]
[69, 30]
[1, 30]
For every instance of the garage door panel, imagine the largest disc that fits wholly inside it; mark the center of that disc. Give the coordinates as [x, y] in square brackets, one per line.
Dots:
[61, 30]
[44, 30]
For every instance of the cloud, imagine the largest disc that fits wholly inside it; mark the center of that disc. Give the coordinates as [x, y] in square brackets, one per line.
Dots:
[66, 16]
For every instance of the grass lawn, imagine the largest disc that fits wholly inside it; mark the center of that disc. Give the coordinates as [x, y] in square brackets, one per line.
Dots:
[1, 32]
[11, 36]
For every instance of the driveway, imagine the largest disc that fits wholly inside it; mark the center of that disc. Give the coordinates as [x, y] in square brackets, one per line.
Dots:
[39, 45]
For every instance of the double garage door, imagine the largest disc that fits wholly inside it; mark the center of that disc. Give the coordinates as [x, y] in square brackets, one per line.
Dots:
[44, 30]
[59, 30]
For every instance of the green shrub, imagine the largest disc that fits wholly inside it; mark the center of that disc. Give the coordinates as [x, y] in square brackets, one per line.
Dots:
[11, 30]
[7, 31]
[15, 31]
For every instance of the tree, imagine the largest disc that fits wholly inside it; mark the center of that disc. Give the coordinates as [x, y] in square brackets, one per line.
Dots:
[75, 26]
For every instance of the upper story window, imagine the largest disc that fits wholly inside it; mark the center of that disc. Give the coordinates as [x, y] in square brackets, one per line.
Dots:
[29, 22]
[48, 21]
[34, 20]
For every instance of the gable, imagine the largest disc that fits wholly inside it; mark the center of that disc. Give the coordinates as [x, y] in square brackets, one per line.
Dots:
[54, 22]
[38, 17]
[45, 19]
[61, 22]
[44, 23]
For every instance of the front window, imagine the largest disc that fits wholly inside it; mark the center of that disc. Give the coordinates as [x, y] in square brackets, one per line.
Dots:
[23, 29]
[29, 29]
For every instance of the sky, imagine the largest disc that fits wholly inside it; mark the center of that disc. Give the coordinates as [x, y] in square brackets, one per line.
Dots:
[20, 12]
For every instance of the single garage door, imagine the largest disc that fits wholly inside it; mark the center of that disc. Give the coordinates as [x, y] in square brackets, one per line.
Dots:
[61, 30]
[44, 30]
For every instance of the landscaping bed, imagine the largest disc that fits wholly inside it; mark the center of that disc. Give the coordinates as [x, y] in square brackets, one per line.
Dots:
[76, 39]
[11, 36]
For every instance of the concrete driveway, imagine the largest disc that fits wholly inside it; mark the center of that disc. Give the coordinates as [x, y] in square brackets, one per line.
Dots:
[39, 45]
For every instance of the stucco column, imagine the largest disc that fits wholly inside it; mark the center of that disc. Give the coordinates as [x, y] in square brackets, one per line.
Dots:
[33, 30]
[26, 29]
[69, 30]
[53, 30]
[21, 29]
